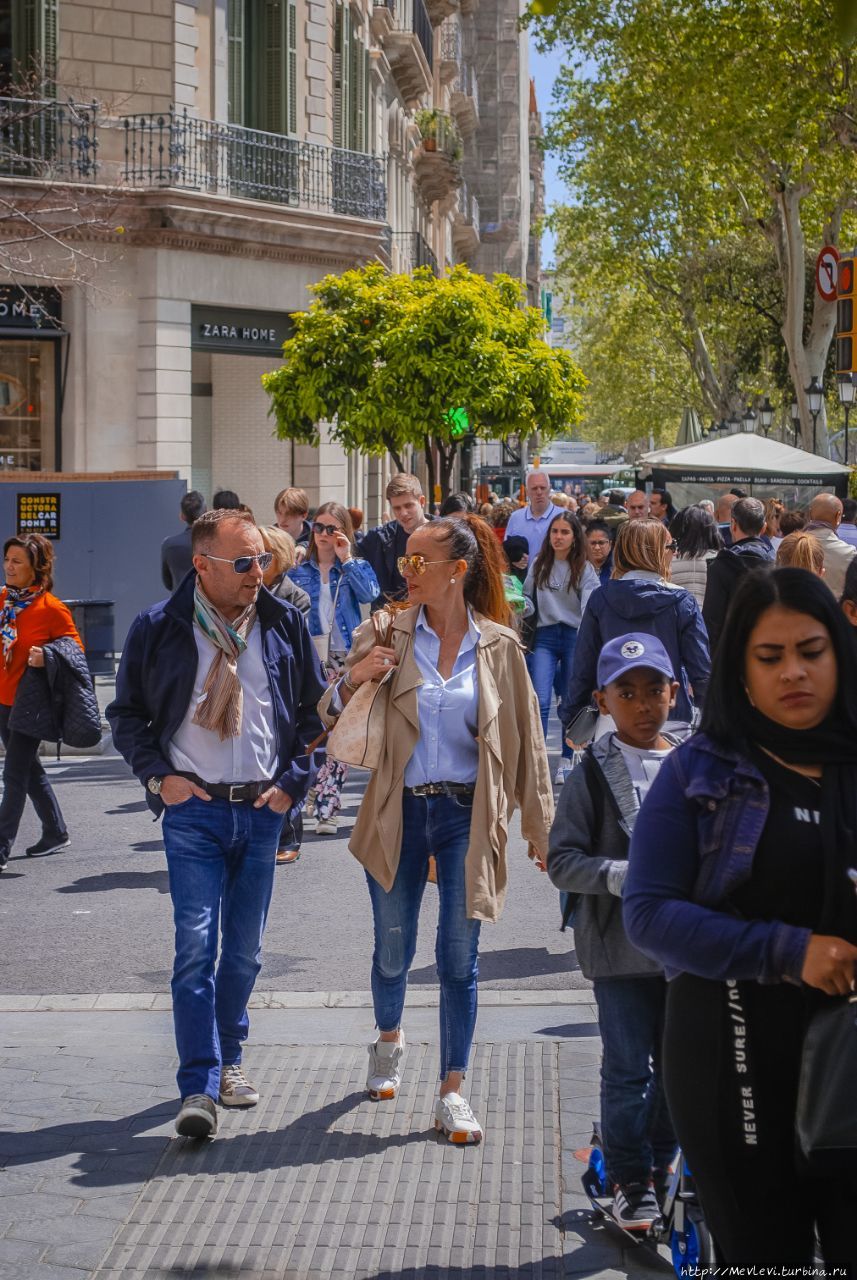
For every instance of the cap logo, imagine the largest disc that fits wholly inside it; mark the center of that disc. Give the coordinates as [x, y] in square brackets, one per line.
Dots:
[632, 649]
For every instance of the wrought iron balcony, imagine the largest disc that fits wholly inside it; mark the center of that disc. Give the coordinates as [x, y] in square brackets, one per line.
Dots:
[410, 48]
[465, 228]
[451, 49]
[172, 150]
[41, 138]
[409, 250]
[436, 161]
[464, 100]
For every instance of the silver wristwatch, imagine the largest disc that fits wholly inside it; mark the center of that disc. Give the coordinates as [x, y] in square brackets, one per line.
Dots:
[154, 784]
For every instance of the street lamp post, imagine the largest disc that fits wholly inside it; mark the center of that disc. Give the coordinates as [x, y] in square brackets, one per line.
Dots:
[766, 415]
[749, 420]
[815, 395]
[734, 424]
[845, 388]
[795, 419]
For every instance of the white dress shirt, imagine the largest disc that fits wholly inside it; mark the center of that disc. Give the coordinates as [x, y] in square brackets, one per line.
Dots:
[252, 755]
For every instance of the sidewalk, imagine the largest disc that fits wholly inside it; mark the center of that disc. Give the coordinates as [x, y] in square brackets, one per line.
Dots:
[316, 1181]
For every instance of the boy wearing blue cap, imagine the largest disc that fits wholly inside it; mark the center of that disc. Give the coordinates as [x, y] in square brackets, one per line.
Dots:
[588, 858]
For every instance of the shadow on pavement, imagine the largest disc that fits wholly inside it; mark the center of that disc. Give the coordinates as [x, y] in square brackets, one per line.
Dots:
[516, 962]
[571, 1029]
[111, 880]
[133, 806]
[112, 1154]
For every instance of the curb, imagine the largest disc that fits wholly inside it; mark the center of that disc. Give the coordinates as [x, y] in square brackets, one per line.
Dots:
[160, 1001]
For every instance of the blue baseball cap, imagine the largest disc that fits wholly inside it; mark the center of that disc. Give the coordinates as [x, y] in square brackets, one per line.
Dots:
[626, 653]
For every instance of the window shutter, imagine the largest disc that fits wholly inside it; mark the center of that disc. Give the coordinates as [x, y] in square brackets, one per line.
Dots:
[273, 113]
[343, 77]
[292, 67]
[359, 79]
[236, 26]
[34, 44]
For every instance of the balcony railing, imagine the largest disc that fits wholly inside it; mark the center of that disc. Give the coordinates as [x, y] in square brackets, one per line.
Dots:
[412, 251]
[172, 150]
[50, 140]
[451, 44]
[412, 16]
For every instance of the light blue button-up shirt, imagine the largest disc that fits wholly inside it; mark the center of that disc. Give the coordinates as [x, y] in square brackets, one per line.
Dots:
[447, 749]
[523, 524]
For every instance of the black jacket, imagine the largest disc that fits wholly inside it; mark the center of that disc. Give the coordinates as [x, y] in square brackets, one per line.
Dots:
[382, 548]
[154, 687]
[724, 573]
[57, 703]
[176, 558]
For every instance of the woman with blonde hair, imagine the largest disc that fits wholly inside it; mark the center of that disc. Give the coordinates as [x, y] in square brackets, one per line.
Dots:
[462, 748]
[276, 579]
[800, 550]
[640, 597]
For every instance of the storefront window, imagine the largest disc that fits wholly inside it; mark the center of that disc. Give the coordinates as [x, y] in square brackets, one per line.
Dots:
[27, 405]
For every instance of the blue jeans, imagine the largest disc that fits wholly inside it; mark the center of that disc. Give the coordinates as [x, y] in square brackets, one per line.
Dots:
[438, 825]
[550, 668]
[635, 1124]
[221, 859]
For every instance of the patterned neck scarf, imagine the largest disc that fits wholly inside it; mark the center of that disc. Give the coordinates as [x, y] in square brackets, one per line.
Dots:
[222, 700]
[15, 600]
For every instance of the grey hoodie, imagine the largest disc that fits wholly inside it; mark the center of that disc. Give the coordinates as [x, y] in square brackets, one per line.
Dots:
[584, 860]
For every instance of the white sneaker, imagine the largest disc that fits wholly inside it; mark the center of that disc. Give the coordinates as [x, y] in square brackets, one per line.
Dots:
[326, 826]
[453, 1116]
[563, 769]
[385, 1068]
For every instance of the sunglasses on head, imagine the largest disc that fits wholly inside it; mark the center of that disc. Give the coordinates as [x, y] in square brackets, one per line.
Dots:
[242, 564]
[329, 529]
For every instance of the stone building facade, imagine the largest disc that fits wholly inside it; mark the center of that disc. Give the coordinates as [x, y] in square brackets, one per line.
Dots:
[222, 156]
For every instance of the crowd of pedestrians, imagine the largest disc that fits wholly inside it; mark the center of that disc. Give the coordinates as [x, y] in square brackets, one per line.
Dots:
[701, 662]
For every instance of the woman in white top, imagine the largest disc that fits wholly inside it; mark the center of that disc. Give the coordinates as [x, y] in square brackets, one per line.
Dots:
[559, 583]
[697, 538]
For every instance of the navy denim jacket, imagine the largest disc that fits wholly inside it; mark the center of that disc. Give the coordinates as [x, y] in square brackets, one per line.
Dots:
[154, 686]
[693, 845]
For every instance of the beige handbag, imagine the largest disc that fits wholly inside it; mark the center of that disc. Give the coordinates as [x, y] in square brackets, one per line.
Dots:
[357, 738]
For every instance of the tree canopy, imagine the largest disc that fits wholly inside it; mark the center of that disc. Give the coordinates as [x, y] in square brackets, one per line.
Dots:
[385, 358]
[710, 148]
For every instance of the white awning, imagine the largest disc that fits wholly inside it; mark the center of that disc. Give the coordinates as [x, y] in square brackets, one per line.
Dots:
[743, 454]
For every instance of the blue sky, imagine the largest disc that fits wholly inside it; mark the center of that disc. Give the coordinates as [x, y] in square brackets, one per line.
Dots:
[544, 68]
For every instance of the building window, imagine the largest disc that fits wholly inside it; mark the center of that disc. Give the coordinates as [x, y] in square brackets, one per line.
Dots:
[28, 47]
[28, 403]
[263, 64]
[350, 83]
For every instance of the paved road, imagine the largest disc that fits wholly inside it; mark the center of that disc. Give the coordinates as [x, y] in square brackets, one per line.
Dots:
[97, 916]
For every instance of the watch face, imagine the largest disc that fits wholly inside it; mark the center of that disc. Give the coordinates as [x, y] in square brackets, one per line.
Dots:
[154, 785]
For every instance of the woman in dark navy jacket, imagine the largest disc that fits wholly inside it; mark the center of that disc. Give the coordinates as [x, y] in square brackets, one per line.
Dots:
[737, 884]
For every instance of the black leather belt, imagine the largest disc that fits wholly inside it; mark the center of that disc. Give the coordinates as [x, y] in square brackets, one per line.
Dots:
[234, 792]
[442, 789]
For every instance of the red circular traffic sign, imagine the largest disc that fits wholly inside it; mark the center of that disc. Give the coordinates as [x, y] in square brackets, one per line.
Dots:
[826, 272]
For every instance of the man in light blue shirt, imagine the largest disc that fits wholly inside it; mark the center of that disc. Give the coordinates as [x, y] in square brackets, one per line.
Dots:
[847, 530]
[533, 521]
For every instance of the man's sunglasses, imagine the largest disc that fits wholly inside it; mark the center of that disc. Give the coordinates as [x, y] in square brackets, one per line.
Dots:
[243, 564]
[329, 529]
[419, 564]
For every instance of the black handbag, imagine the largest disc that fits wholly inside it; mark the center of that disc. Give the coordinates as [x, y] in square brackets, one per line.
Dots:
[827, 1094]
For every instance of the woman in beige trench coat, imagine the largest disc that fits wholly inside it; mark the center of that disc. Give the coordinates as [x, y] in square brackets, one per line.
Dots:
[463, 747]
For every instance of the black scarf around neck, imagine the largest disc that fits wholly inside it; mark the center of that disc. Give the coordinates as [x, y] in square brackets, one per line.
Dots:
[831, 745]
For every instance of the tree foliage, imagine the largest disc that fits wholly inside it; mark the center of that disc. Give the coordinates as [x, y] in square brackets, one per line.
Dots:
[384, 358]
[710, 145]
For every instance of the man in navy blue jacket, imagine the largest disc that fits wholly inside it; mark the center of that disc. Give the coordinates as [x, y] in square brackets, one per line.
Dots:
[215, 707]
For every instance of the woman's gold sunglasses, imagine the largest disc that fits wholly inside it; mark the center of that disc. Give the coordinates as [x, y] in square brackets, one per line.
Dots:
[419, 564]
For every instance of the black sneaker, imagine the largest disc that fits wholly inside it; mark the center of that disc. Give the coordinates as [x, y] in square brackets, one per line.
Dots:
[197, 1118]
[635, 1206]
[49, 844]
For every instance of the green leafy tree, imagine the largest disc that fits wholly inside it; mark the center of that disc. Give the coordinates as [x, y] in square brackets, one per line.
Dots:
[686, 126]
[385, 358]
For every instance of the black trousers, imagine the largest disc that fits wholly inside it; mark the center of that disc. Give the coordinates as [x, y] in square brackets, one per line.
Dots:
[731, 1068]
[24, 776]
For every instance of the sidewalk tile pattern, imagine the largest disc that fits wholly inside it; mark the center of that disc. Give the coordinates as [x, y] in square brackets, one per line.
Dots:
[319, 1182]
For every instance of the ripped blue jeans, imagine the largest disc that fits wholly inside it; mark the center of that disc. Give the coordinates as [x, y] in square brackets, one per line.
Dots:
[438, 825]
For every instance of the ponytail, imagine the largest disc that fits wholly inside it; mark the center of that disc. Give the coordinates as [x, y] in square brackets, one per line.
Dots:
[470, 538]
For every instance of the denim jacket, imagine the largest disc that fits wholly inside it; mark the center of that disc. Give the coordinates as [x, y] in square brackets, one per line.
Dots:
[693, 845]
[359, 585]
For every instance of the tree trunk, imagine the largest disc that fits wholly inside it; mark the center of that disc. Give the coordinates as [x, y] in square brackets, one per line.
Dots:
[432, 474]
[447, 455]
[394, 454]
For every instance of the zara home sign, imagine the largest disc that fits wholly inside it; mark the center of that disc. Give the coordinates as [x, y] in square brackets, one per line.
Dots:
[228, 329]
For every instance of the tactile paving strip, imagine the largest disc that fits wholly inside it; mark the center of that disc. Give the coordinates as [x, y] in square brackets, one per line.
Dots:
[318, 1181]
